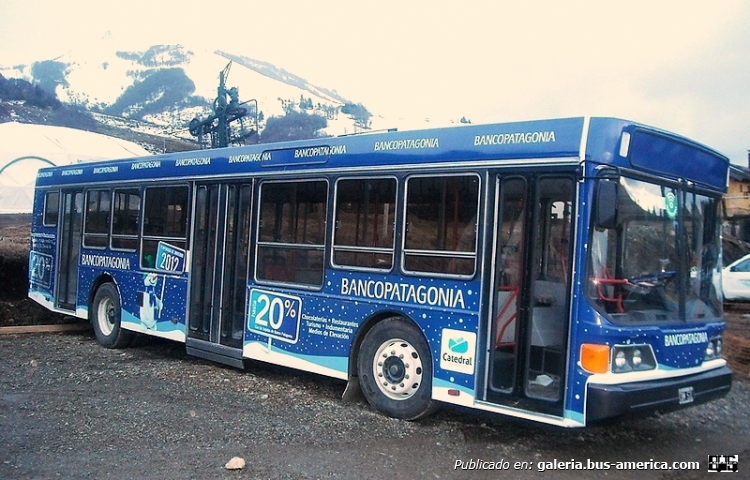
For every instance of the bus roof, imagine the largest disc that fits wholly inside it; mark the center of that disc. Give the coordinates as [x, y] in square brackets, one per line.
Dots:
[554, 140]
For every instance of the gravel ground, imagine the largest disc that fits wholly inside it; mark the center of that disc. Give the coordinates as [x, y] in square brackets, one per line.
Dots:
[71, 409]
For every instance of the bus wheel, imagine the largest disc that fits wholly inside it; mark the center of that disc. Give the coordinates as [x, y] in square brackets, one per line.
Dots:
[395, 370]
[105, 315]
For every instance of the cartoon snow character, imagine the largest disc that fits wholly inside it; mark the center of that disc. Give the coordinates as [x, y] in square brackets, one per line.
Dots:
[149, 301]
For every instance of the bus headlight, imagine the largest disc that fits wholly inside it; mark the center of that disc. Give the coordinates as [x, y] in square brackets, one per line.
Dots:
[714, 349]
[621, 363]
[628, 358]
[637, 359]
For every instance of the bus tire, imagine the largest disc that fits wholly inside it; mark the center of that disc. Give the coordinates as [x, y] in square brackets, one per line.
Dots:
[395, 370]
[105, 316]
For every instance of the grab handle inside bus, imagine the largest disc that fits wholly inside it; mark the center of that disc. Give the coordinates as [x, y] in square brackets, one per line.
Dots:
[606, 204]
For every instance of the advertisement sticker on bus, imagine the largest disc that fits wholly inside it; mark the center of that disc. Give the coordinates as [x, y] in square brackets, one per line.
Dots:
[169, 258]
[457, 349]
[274, 314]
[40, 268]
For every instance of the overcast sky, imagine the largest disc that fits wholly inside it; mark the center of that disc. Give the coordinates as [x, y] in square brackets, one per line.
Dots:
[679, 65]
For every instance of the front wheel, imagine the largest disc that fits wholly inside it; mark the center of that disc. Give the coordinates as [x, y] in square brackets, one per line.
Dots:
[395, 370]
[105, 315]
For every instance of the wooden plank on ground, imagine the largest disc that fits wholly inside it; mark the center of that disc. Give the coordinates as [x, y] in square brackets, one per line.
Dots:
[62, 327]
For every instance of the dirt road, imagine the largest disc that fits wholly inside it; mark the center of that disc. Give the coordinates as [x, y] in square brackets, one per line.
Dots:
[71, 409]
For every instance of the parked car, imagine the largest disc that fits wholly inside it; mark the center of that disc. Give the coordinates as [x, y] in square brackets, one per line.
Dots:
[735, 280]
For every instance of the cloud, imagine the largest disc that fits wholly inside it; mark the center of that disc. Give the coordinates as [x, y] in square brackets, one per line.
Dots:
[706, 96]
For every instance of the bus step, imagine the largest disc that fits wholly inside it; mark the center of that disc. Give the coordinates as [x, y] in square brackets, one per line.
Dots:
[215, 352]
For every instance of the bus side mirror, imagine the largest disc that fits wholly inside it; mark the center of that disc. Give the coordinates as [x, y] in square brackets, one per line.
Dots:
[605, 208]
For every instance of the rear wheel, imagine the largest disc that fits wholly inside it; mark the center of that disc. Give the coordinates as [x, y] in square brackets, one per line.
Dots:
[395, 370]
[105, 315]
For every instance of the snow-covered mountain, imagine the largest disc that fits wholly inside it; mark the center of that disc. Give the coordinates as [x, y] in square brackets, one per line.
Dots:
[169, 85]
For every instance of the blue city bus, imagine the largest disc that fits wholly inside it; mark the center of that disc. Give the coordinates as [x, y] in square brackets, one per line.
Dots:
[565, 271]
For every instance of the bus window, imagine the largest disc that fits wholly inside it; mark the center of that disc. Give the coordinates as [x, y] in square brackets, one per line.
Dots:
[365, 215]
[164, 223]
[701, 225]
[291, 232]
[51, 208]
[125, 212]
[441, 224]
[96, 224]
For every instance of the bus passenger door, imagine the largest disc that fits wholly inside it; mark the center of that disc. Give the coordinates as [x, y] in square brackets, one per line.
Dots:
[70, 249]
[218, 276]
[549, 289]
[530, 308]
[508, 315]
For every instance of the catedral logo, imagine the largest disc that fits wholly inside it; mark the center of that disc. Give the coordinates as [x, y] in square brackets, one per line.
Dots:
[457, 350]
[677, 339]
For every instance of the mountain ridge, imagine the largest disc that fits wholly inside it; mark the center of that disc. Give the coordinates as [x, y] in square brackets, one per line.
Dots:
[271, 71]
[169, 85]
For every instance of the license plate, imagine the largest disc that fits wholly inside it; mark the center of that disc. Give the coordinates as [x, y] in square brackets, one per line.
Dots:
[685, 395]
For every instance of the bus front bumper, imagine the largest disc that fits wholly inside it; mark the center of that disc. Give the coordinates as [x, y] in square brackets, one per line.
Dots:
[609, 401]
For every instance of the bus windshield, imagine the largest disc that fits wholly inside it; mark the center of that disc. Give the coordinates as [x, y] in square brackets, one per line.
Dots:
[665, 241]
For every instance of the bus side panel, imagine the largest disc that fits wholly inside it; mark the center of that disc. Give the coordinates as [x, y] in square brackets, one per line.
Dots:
[315, 332]
[42, 265]
[152, 303]
[301, 330]
[575, 401]
[42, 256]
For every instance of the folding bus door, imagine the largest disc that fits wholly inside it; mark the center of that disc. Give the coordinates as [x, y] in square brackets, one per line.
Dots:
[528, 323]
[219, 267]
[71, 223]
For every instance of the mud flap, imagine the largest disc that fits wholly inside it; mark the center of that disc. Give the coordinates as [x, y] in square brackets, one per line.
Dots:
[353, 392]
